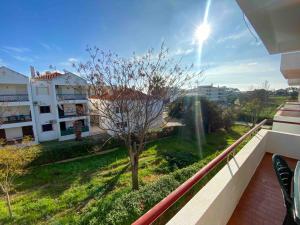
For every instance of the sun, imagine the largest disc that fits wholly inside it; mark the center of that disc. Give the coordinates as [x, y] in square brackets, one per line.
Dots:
[202, 33]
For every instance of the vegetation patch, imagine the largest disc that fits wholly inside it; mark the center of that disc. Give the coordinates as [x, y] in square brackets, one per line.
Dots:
[82, 191]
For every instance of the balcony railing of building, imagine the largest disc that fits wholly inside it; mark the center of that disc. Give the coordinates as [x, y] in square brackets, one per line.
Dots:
[15, 119]
[70, 130]
[14, 98]
[63, 97]
[72, 114]
[153, 214]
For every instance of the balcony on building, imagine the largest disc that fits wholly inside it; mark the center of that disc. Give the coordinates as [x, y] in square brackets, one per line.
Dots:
[67, 129]
[15, 116]
[14, 135]
[74, 111]
[69, 93]
[13, 93]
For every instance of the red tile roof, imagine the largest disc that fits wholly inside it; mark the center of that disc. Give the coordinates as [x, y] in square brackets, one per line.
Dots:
[48, 76]
[120, 94]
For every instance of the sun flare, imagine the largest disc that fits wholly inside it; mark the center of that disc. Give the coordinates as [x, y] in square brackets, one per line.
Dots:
[202, 33]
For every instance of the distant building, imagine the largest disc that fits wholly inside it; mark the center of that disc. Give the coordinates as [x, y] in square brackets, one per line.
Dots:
[217, 94]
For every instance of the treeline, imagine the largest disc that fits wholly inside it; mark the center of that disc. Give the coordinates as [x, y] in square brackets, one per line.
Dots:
[200, 114]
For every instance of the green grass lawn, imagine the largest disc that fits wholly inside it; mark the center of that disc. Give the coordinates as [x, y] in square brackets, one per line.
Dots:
[61, 193]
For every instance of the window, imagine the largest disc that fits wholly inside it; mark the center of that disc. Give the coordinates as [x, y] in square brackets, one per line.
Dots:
[45, 109]
[42, 90]
[47, 127]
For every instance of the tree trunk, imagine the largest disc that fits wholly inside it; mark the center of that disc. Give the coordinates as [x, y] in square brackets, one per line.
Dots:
[134, 168]
[8, 203]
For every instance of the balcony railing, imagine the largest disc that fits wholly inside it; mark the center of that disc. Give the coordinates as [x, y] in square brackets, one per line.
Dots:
[63, 97]
[15, 119]
[153, 214]
[70, 130]
[14, 98]
[72, 114]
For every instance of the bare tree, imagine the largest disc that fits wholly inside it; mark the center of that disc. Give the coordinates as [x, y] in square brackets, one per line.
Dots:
[129, 95]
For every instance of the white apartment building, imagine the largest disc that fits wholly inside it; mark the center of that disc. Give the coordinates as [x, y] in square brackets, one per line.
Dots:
[16, 108]
[218, 94]
[113, 99]
[44, 107]
[58, 101]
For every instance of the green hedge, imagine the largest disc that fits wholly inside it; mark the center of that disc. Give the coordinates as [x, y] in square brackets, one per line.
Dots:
[56, 151]
[125, 209]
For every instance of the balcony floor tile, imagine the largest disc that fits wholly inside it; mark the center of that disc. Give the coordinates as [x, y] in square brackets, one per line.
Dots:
[262, 202]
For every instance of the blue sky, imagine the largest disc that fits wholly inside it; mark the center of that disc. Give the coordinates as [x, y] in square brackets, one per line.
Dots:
[56, 32]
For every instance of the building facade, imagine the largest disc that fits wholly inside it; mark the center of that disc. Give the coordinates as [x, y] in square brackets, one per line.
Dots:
[16, 107]
[44, 107]
[217, 94]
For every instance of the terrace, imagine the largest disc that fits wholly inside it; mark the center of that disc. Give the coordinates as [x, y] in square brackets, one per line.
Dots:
[245, 190]
[72, 110]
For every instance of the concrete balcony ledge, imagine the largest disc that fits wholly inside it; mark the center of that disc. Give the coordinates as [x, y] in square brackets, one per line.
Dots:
[218, 199]
[287, 119]
[66, 97]
[17, 124]
[72, 136]
[71, 118]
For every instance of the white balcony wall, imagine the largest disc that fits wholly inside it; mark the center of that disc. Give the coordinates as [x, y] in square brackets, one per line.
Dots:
[13, 133]
[14, 110]
[70, 109]
[13, 89]
[292, 106]
[287, 117]
[66, 89]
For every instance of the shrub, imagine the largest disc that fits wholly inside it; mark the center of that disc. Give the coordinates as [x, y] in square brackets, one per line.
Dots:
[179, 159]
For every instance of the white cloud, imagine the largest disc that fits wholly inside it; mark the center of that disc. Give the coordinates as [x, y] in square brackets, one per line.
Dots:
[242, 67]
[46, 46]
[233, 37]
[69, 62]
[244, 74]
[182, 52]
[23, 58]
[10, 49]
[2, 63]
